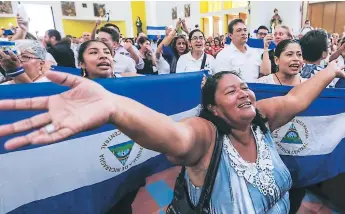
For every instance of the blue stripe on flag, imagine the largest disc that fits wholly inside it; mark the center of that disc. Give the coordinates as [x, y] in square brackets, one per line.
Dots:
[333, 97]
[259, 43]
[155, 27]
[154, 37]
[313, 169]
[169, 94]
[100, 197]
[156, 92]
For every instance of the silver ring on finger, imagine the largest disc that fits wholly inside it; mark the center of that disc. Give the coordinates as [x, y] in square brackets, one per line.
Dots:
[50, 128]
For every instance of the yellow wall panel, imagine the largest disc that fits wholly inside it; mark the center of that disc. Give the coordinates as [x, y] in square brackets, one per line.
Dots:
[227, 5]
[203, 6]
[138, 9]
[225, 23]
[214, 6]
[201, 24]
[4, 21]
[206, 27]
[78, 27]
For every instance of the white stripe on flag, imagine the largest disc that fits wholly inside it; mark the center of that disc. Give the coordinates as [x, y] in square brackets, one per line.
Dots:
[155, 32]
[51, 170]
[315, 135]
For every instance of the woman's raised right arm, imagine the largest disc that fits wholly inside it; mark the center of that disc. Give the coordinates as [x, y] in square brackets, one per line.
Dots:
[184, 142]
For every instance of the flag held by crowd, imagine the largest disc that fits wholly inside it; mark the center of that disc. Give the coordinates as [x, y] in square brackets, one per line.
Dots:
[90, 172]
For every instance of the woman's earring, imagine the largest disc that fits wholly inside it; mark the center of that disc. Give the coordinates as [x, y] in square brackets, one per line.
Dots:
[83, 73]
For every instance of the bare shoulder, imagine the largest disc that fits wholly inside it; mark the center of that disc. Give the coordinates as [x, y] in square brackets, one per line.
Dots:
[267, 107]
[200, 135]
[199, 125]
[277, 110]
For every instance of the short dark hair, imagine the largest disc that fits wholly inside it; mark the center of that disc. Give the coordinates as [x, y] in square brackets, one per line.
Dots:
[69, 36]
[233, 23]
[313, 44]
[112, 25]
[306, 21]
[192, 32]
[55, 33]
[113, 33]
[131, 39]
[142, 40]
[263, 27]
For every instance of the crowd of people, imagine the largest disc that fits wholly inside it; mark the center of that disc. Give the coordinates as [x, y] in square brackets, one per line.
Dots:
[309, 61]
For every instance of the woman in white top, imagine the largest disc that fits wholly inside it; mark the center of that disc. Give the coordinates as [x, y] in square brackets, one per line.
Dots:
[289, 61]
[192, 61]
[27, 67]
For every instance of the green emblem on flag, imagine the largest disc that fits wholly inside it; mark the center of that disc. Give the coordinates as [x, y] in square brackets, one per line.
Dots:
[122, 151]
[292, 136]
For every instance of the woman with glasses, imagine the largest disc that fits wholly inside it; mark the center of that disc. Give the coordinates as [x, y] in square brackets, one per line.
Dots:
[28, 65]
[196, 59]
[281, 32]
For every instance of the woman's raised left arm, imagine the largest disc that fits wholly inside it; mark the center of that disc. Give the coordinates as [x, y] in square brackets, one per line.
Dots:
[281, 110]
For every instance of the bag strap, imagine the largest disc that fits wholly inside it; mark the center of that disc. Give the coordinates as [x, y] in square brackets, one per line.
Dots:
[205, 196]
[203, 62]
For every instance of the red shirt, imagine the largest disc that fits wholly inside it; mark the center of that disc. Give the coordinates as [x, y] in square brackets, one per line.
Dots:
[208, 51]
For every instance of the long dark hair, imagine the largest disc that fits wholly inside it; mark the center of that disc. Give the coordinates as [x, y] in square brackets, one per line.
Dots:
[208, 98]
[81, 51]
[173, 46]
[218, 39]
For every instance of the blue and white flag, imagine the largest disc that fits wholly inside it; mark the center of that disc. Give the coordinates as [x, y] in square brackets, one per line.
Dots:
[259, 43]
[92, 171]
[312, 145]
[153, 31]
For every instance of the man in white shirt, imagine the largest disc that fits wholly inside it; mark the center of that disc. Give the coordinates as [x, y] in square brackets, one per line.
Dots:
[126, 49]
[123, 64]
[238, 56]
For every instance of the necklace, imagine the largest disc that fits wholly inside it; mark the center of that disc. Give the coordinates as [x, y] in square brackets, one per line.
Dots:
[34, 79]
[260, 173]
[278, 78]
[300, 81]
